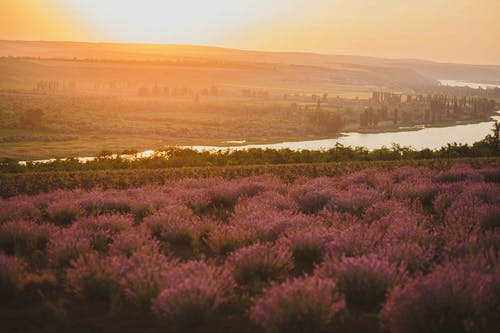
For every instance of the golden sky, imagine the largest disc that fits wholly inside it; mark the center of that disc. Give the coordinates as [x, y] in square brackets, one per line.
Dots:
[465, 31]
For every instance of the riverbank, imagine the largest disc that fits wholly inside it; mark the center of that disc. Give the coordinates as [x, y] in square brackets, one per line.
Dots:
[93, 145]
[418, 127]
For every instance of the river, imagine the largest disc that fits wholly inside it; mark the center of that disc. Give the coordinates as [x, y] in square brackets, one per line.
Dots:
[424, 137]
[474, 85]
[420, 138]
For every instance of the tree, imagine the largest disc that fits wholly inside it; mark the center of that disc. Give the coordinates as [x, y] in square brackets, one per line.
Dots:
[494, 139]
[426, 116]
[325, 122]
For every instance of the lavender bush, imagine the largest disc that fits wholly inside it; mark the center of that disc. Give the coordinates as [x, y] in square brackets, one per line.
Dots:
[420, 243]
[255, 265]
[193, 292]
[364, 281]
[12, 274]
[302, 305]
[453, 298]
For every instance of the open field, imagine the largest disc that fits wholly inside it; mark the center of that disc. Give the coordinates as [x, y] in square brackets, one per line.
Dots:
[391, 248]
[78, 99]
[85, 123]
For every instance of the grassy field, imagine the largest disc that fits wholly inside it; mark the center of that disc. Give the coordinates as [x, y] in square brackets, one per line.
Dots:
[117, 124]
[97, 122]
[86, 123]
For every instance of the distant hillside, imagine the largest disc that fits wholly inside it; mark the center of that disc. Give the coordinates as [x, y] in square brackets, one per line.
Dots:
[198, 64]
[443, 71]
[119, 51]
[241, 66]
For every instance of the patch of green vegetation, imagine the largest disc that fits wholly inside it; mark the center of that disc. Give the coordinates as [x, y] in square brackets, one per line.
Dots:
[71, 124]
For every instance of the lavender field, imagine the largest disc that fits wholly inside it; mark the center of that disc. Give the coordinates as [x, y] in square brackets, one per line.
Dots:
[412, 249]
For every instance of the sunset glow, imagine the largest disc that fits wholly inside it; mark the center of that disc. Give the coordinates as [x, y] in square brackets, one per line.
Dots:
[445, 30]
[263, 166]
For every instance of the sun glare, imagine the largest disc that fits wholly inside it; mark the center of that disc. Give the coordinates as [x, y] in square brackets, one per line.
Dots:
[445, 30]
[155, 21]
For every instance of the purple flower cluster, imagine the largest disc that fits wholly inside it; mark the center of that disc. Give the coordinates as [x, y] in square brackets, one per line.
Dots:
[93, 277]
[12, 274]
[307, 243]
[306, 304]
[419, 247]
[193, 291]
[365, 281]
[456, 297]
[175, 224]
[257, 264]
[23, 238]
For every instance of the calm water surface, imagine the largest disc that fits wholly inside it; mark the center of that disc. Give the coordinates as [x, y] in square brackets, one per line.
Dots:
[432, 138]
[474, 85]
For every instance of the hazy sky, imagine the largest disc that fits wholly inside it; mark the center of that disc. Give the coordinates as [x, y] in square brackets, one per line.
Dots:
[466, 31]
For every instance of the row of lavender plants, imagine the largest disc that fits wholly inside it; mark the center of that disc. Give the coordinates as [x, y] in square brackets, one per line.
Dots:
[34, 182]
[414, 247]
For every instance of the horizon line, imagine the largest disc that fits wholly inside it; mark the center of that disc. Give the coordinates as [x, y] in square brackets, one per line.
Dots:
[253, 50]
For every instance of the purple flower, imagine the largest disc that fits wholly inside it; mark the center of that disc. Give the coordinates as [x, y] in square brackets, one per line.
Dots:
[306, 304]
[193, 291]
[255, 265]
[459, 297]
[23, 238]
[12, 274]
[364, 281]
